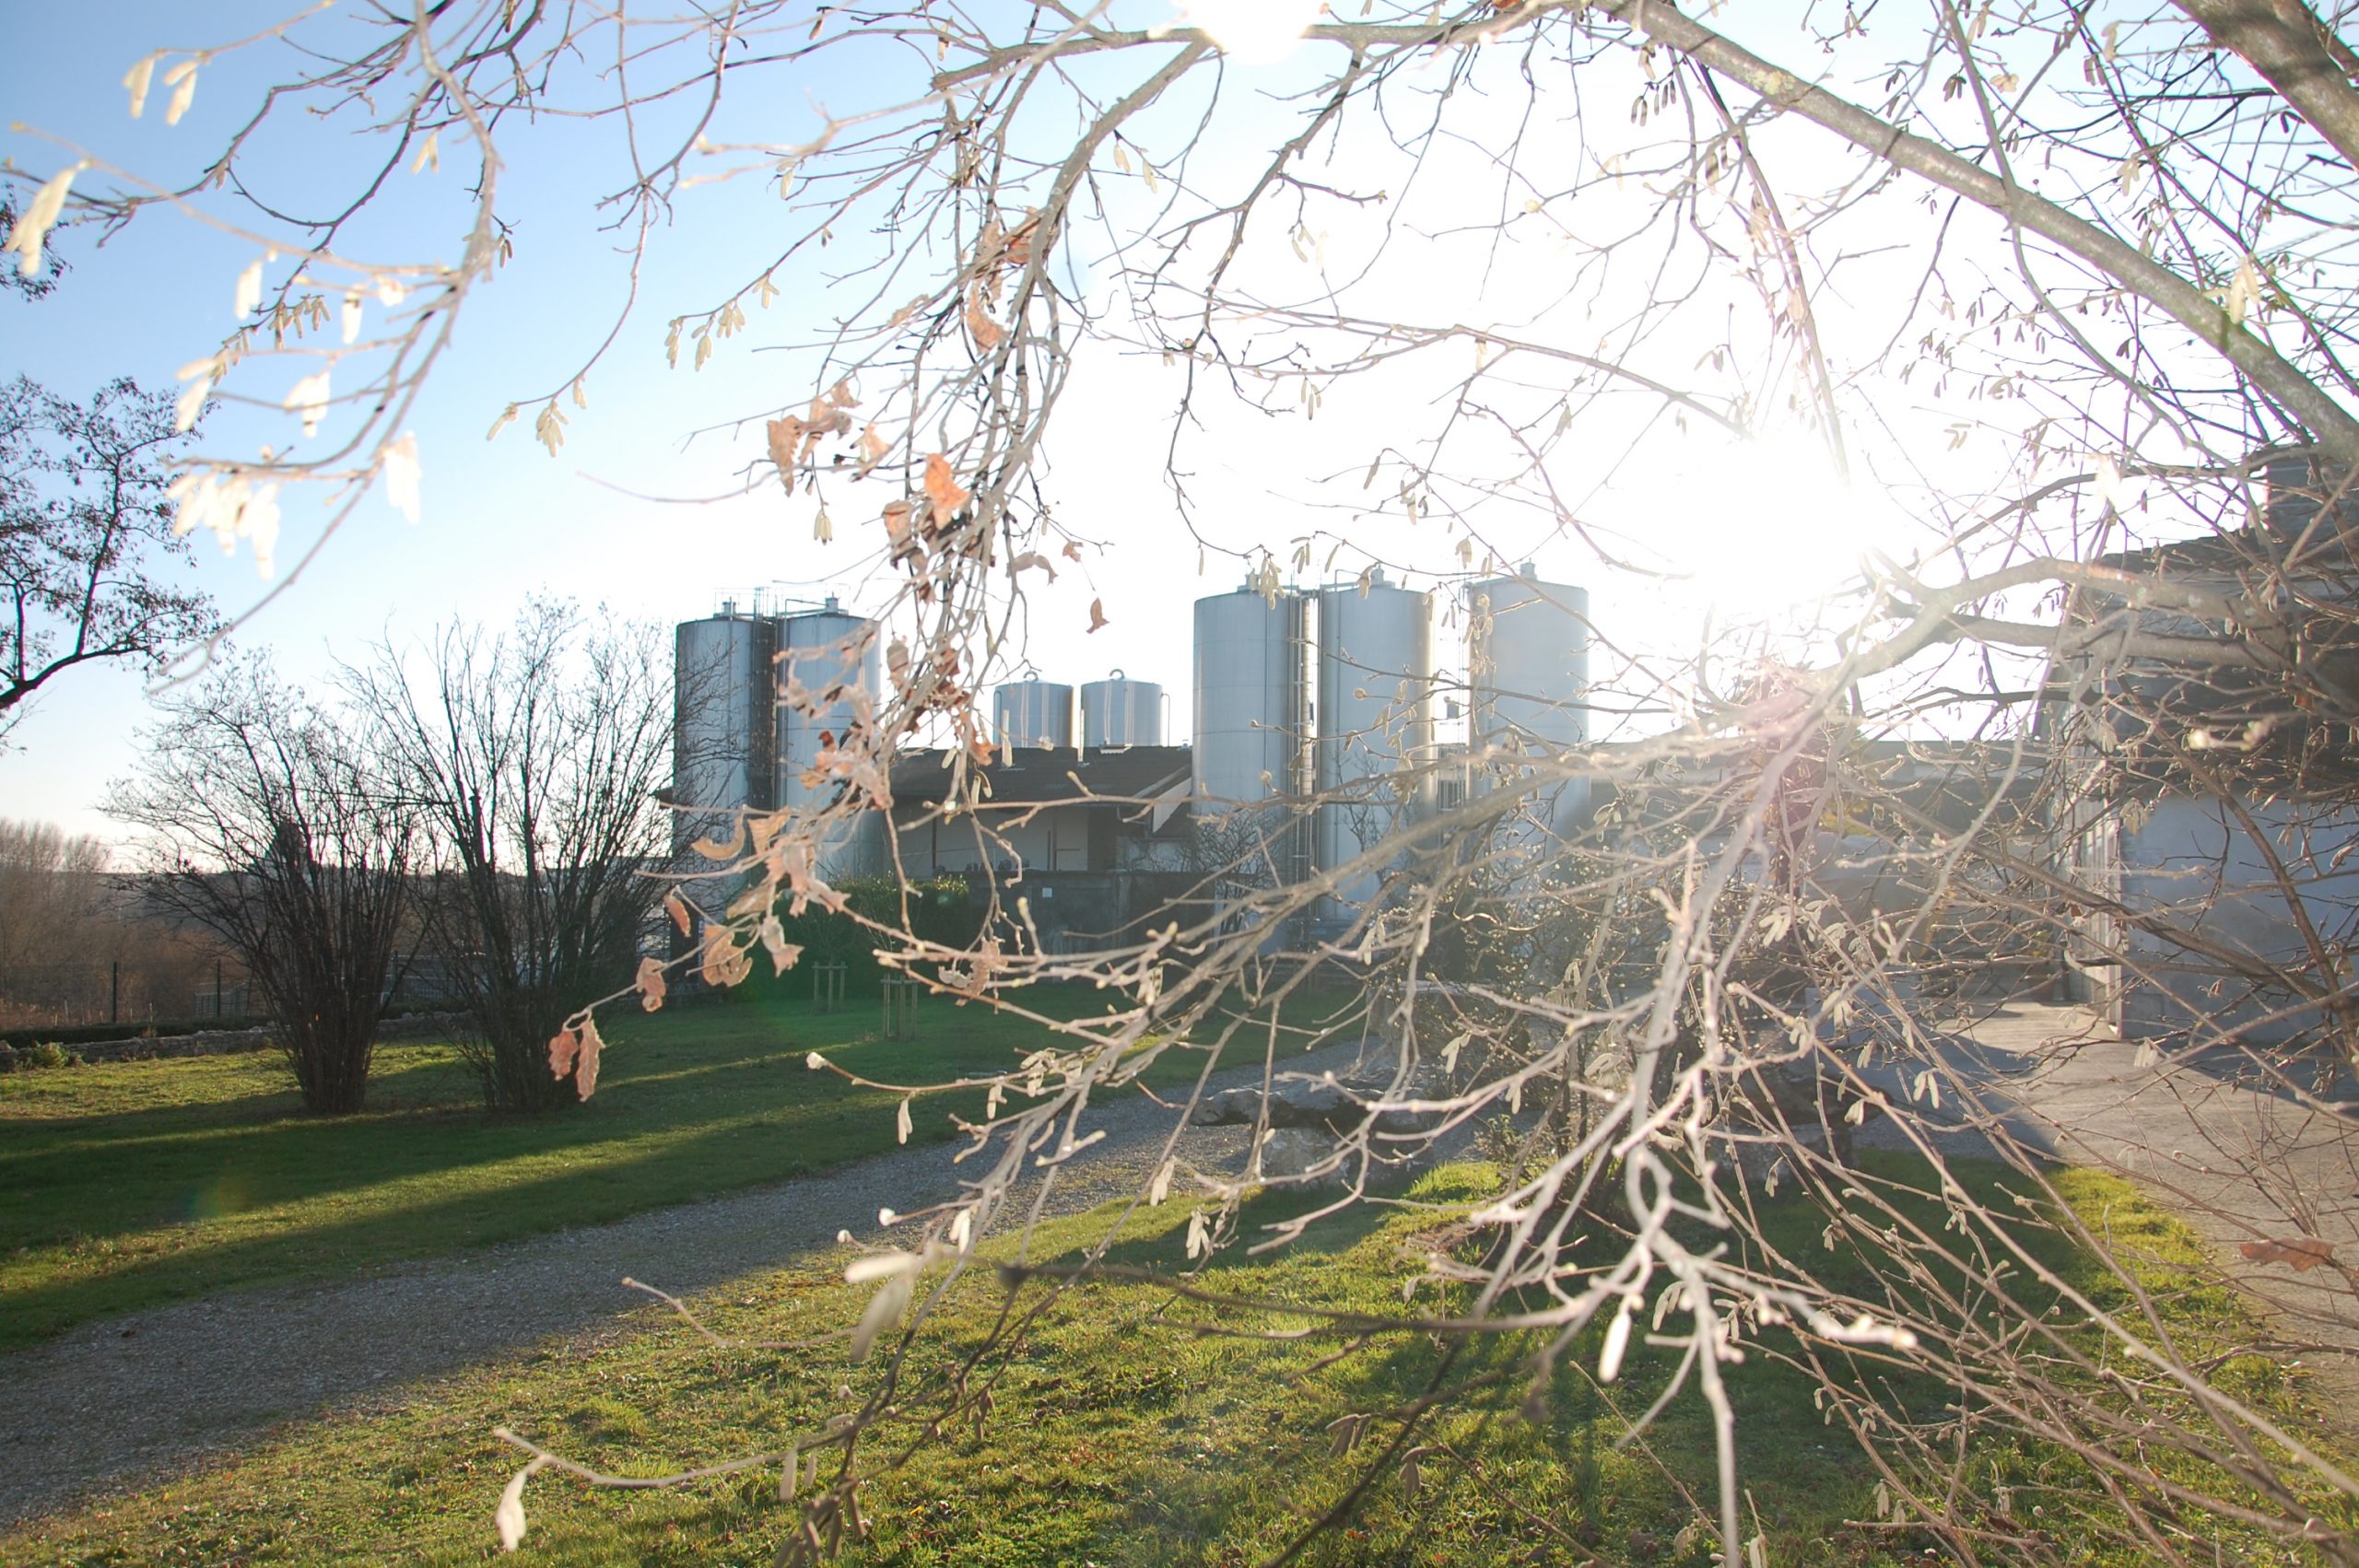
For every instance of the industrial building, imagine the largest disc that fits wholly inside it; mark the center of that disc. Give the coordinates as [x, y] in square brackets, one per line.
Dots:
[1098, 843]
[1314, 741]
[737, 743]
[2213, 815]
[1528, 682]
[1316, 735]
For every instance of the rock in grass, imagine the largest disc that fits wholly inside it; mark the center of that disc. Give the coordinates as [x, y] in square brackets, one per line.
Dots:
[1290, 1155]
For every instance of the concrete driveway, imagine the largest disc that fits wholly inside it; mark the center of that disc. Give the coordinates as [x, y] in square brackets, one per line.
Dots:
[2250, 1149]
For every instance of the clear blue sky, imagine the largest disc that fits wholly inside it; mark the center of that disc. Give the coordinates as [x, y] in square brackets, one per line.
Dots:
[502, 520]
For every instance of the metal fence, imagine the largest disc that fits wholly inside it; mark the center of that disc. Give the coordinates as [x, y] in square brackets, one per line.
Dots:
[126, 991]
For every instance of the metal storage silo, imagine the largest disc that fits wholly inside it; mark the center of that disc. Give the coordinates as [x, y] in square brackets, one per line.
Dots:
[834, 655]
[1528, 672]
[1252, 698]
[721, 732]
[1374, 719]
[1119, 711]
[1032, 713]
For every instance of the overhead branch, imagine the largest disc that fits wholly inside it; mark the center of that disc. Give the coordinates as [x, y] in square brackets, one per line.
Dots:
[2276, 378]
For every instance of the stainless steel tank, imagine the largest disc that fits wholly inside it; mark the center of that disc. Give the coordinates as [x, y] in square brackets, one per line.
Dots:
[1119, 711]
[1252, 698]
[834, 655]
[721, 729]
[1032, 714]
[1375, 720]
[1528, 670]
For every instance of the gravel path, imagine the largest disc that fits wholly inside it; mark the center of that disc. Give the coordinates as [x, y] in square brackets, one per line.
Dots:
[126, 1400]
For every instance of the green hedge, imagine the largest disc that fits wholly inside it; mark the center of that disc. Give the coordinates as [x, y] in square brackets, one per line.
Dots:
[940, 910]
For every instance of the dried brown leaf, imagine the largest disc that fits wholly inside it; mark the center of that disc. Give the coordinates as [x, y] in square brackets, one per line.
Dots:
[906, 550]
[718, 849]
[724, 963]
[1019, 244]
[585, 1073]
[564, 1045]
[784, 954]
[873, 448]
[885, 1309]
[509, 1518]
[988, 334]
[942, 489]
[2302, 1254]
[786, 439]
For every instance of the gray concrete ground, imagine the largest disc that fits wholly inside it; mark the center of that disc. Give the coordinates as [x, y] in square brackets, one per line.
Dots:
[2240, 1157]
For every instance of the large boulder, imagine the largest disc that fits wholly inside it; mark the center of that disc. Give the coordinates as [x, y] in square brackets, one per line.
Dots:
[1290, 1155]
[1294, 1102]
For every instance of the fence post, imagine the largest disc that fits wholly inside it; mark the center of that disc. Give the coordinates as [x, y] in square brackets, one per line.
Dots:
[827, 985]
[114, 991]
[900, 996]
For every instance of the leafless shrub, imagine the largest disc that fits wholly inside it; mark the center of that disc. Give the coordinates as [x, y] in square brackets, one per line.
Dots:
[534, 759]
[268, 827]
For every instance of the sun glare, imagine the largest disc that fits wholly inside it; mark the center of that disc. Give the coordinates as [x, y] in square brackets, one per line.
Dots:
[1253, 31]
[1763, 526]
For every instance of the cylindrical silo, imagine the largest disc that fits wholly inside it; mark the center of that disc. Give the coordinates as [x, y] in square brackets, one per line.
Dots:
[1528, 670]
[1375, 719]
[720, 720]
[1033, 714]
[1119, 711]
[833, 656]
[1252, 698]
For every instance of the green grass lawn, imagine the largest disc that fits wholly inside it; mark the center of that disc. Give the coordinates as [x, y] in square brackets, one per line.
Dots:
[1128, 1437]
[133, 1183]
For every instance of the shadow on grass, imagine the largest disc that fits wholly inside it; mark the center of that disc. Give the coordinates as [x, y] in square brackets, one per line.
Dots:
[136, 1202]
[705, 1064]
[118, 1159]
[609, 1179]
[1135, 1431]
[1516, 1472]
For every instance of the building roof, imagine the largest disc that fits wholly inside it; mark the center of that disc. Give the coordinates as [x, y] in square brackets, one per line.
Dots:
[2272, 708]
[2309, 522]
[1035, 776]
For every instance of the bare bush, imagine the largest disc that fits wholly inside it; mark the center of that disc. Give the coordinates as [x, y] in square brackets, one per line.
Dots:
[536, 758]
[269, 826]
